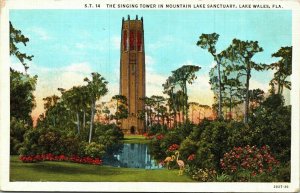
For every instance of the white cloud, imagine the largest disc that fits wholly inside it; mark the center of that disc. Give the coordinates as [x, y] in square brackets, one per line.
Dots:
[41, 33]
[254, 84]
[154, 83]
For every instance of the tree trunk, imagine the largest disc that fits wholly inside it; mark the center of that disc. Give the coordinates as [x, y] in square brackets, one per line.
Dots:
[220, 91]
[78, 126]
[246, 114]
[83, 122]
[230, 105]
[186, 103]
[92, 121]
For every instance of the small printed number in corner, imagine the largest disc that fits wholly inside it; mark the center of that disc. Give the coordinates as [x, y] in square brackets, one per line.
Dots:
[281, 186]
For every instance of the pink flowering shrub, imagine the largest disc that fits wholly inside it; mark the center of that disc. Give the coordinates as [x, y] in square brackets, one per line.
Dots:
[248, 159]
[160, 137]
[191, 157]
[173, 147]
[148, 136]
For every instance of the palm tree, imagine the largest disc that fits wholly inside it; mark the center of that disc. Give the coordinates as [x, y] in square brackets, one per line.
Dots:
[97, 87]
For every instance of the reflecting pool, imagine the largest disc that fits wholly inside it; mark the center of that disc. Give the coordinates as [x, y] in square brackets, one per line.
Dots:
[132, 156]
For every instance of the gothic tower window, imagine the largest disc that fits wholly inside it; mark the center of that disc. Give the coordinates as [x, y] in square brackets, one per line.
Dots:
[125, 44]
[139, 40]
[131, 40]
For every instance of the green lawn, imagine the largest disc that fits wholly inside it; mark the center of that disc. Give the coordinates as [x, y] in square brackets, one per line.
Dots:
[72, 172]
[135, 139]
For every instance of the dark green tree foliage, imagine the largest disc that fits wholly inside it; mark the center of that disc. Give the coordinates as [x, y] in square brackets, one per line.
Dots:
[121, 108]
[17, 130]
[271, 123]
[283, 67]
[15, 37]
[256, 97]
[109, 135]
[241, 53]
[183, 75]
[22, 86]
[158, 102]
[22, 100]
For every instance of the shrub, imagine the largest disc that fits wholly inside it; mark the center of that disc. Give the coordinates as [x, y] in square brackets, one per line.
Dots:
[17, 131]
[187, 148]
[271, 124]
[203, 175]
[212, 145]
[94, 150]
[248, 161]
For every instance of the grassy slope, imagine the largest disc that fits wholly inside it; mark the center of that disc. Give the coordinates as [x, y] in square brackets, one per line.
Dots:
[135, 139]
[65, 171]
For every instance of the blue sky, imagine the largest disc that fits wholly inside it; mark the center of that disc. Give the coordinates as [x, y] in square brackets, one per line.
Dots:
[70, 44]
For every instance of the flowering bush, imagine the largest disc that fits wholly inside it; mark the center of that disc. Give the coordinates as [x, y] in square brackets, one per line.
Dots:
[204, 175]
[160, 137]
[173, 147]
[51, 157]
[248, 159]
[191, 157]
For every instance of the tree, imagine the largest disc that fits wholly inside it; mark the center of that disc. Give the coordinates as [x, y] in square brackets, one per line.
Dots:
[169, 87]
[208, 41]
[182, 76]
[283, 67]
[22, 100]
[22, 86]
[256, 97]
[193, 106]
[49, 103]
[15, 37]
[97, 87]
[121, 107]
[158, 101]
[241, 53]
[232, 88]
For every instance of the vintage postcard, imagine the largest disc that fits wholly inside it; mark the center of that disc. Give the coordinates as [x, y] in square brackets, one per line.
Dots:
[150, 96]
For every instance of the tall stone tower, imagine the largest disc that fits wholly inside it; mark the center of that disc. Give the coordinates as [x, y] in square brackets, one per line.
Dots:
[132, 73]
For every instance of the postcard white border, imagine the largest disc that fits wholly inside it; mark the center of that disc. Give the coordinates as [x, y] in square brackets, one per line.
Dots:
[141, 186]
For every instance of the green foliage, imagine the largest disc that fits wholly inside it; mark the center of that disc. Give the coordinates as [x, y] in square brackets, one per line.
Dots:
[212, 145]
[41, 141]
[121, 107]
[223, 178]
[203, 175]
[271, 125]
[94, 150]
[17, 130]
[15, 37]
[283, 67]
[110, 136]
[187, 147]
[22, 100]
[156, 129]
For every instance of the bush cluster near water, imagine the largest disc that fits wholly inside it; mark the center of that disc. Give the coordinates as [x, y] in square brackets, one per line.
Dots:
[60, 141]
[207, 143]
